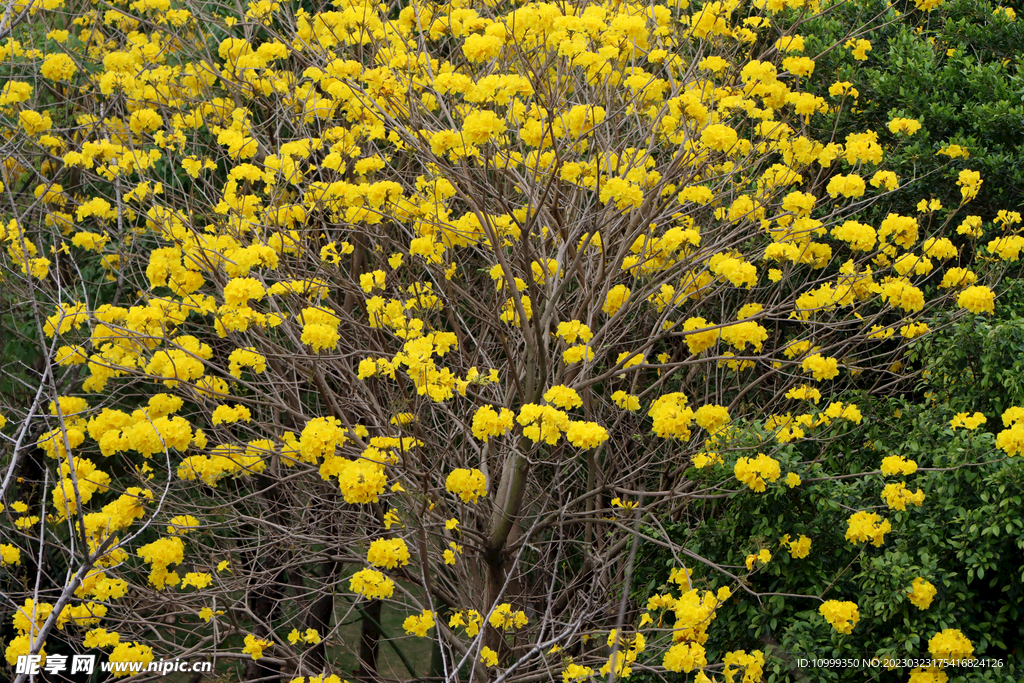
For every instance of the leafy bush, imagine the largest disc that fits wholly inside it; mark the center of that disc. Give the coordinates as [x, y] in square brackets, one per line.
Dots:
[955, 71]
[453, 307]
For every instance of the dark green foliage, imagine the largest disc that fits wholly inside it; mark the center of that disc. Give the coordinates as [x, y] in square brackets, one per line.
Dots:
[967, 539]
[957, 71]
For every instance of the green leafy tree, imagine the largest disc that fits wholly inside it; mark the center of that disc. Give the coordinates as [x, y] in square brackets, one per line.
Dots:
[451, 310]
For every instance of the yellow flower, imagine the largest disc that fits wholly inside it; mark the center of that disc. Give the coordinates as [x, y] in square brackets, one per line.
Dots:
[901, 125]
[391, 519]
[9, 555]
[574, 330]
[419, 624]
[970, 183]
[843, 88]
[851, 185]
[563, 397]
[574, 672]
[820, 367]
[388, 553]
[586, 434]
[229, 414]
[954, 151]
[950, 643]
[859, 48]
[865, 526]
[575, 354]
[754, 472]
[897, 496]
[199, 580]
[977, 299]
[480, 126]
[843, 616]
[488, 656]
[626, 401]
[624, 193]
[799, 548]
[130, 652]
[372, 280]
[480, 48]
[371, 584]
[255, 646]
[487, 422]
[320, 336]
[897, 464]
[790, 44]
[762, 557]
[58, 67]
[1006, 13]
[719, 137]
[921, 593]
[965, 421]
[712, 417]
[886, 179]
[504, 617]
[685, 657]
[467, 484]
[799, 66]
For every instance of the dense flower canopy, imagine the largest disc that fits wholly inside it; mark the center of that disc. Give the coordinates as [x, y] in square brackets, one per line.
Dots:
[453, 302]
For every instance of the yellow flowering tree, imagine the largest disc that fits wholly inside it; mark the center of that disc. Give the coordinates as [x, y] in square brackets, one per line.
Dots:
[445, 306]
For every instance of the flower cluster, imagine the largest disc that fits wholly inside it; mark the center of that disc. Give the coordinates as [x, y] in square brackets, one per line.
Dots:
[799, 548]
[671, 418]
[965, 421]
[867, 526]
[586, 435]
[336, 209]
[542, 423]
[752, 665]
[134, 653]
[950, 643]
[898, 465]
[488, 422]
[762, 557]
[563, 397]
[1011, 440]
[685, 657]
[254, 646]
[419, 624]
[626, 401]
[897, 496]
[468, 484]
[504, 617]
[371, 584]
[977, 299]
[820, 367]
[755, 472]
[842, 615]
[921, 593]
[388, 553]
[160, 554]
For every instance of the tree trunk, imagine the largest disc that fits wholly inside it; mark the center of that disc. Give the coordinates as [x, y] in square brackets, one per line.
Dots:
[369, 642]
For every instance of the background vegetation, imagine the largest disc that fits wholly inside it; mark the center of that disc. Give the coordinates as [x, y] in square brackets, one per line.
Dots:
[330, 197]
